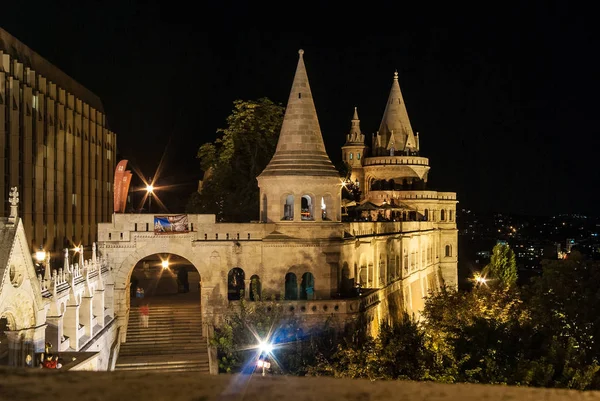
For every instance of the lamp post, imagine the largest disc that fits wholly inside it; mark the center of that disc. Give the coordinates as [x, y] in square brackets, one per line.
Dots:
[40, 257]
[265, 348]
[149, 190]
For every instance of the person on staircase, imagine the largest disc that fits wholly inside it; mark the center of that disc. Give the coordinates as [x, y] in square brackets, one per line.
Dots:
[145, 314]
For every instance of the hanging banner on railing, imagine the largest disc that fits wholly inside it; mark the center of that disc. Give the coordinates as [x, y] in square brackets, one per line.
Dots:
[173, 224]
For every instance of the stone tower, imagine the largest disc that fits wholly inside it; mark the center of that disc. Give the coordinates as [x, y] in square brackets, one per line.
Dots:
[354, 150]
[395, 135]
[300, 184]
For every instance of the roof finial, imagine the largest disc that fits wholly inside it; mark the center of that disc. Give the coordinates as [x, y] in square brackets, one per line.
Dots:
[396, 75]
[300, 52]
[13, 199]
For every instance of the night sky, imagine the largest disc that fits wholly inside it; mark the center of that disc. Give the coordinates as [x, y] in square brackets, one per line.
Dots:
[504, 99]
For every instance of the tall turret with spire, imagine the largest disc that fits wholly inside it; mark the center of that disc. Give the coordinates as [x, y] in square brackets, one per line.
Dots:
[354, 150]
[300, 183]
[395, 135]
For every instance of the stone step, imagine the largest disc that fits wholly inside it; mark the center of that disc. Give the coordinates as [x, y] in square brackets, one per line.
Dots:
[151, 347]
[199, 366]
[192, 334]
[184, 368]
[173, 342]
[163, 352]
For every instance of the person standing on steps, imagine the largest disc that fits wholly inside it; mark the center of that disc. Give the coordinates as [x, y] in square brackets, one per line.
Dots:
[145, 314]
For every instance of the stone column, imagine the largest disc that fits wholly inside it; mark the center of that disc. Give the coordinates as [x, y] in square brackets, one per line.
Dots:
[297, 208]
[247, 289]
[206, 310]
[54, 332]
[85, 315]
[71, 325]
[98, 307]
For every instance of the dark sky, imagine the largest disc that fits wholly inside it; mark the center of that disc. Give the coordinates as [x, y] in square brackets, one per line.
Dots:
[504, 99]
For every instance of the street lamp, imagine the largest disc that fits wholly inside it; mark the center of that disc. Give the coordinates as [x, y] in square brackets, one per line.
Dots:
[263, 364]
[149, 191]
[265, 348]
[40, 257]
[165, 264]
[479, 279]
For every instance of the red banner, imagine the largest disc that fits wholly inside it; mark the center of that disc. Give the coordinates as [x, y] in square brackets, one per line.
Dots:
[119, 195]
[125, 189]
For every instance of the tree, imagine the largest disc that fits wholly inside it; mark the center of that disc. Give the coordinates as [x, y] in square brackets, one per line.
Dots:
[502, 269]
[232, 163]
[295, 351]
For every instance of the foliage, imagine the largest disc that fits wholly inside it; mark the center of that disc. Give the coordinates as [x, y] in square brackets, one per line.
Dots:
[543, 334]
[502, 269]
[232, 163]
[248, 323]
[398, 352]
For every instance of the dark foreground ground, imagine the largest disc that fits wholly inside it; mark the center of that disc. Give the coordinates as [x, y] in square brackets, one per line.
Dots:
[86, 386]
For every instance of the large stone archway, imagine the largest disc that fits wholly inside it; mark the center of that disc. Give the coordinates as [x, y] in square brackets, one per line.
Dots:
[212, 294]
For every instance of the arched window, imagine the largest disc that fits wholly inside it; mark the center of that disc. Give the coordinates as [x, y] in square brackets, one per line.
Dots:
[451, 213]
[426, 215]
[288, 208]
[235, 284]
[307, 207]
[307, 286]
[255, 288]
[357, 155]
[448, 251]
[442, 215]
[291, 286]
[351, 155]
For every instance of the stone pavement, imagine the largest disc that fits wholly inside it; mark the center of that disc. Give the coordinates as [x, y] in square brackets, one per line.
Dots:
[35, 384]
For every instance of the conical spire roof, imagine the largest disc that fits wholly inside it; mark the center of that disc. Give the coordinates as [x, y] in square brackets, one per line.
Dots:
[355, 135]
[395, 129]
[300, 149]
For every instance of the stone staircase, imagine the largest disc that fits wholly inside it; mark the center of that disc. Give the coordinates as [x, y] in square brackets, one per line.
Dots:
[172, 341]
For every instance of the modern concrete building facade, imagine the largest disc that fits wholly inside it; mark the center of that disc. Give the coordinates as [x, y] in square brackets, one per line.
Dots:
[56, 147]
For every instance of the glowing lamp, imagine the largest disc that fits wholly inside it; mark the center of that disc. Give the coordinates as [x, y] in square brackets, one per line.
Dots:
[149, 188]
[40, 255]
[265, 347]
[165, 264]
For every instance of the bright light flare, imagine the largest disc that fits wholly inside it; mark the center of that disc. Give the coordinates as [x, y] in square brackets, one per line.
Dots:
[165, 264]
[479, 279]
[40, 255]
[265, 347]
[149, 188]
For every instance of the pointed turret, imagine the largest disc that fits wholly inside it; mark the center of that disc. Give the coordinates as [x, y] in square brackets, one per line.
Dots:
[355, 136]
[354, 150]
[395, 132]
[300, 184]
[300, 149]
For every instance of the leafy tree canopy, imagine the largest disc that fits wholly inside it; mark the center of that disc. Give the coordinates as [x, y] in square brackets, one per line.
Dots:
[233, 161]
[502, 269]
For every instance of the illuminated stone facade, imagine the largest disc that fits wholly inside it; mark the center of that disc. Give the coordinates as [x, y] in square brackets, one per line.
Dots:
[56, 147]
[301, 252]
[69, 307]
